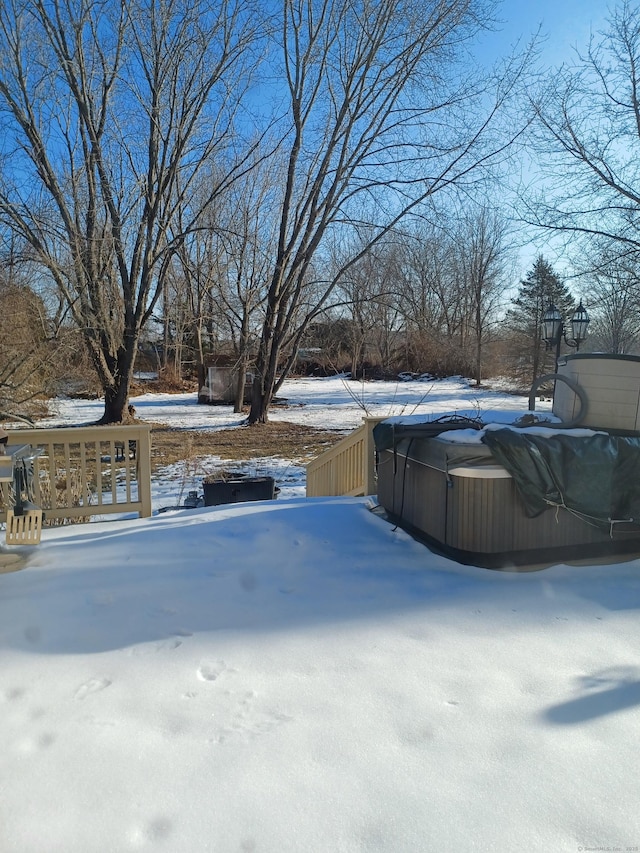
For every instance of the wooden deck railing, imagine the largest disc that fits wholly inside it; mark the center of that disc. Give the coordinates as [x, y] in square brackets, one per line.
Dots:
[348, 468]
[88, 471]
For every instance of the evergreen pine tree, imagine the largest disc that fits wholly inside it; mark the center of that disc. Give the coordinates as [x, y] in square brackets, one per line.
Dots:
[540, 288]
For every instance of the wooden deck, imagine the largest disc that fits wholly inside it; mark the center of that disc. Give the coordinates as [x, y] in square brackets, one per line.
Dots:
[88, 471]
[348, 468]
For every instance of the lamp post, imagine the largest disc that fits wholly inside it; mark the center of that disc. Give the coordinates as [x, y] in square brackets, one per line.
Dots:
[553, 331]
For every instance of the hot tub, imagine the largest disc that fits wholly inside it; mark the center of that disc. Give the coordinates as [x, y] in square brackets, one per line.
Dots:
[450, 491]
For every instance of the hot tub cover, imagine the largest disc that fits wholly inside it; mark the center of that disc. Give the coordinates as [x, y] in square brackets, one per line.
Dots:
[447, 441]
[596, 476]
[391, 431]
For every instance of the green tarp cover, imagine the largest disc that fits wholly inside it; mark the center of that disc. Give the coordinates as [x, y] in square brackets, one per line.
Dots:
[387, 434]
[439, 453]
[596, 475]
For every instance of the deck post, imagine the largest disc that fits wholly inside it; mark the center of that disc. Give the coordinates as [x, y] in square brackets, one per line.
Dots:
[143, 461]
[369, 451]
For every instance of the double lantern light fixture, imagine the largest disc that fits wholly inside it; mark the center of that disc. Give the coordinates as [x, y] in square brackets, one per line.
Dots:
[553, 331]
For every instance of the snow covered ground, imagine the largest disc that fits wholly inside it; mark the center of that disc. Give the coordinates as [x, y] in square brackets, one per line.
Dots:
[334, 402]
[299, 675]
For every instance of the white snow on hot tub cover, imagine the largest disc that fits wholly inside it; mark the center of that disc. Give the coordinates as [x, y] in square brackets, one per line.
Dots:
[487, 416]
[549, 424]
[474, 436]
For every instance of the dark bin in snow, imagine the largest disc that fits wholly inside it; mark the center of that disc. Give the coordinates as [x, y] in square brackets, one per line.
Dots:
[239, 489]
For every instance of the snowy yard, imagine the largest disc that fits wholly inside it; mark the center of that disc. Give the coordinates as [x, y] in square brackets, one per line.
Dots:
[299, 675]
[333, 403]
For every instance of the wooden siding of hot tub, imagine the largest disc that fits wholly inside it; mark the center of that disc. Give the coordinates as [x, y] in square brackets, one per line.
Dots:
[471, 514]
[488, 516]
[414, 493]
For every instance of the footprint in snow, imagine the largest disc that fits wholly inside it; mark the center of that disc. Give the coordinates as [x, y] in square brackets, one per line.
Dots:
[36, 744]
[93, 685]
[211, 671]
[240, 715]
[14, 693]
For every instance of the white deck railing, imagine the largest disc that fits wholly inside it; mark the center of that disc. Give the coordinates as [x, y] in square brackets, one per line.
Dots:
[88, 471]
[348, 468]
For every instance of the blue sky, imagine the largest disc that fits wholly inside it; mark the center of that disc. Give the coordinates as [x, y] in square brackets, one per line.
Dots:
[565, 23]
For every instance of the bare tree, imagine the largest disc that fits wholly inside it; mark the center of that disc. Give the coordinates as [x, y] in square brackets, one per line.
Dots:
[366, 299]
[28, 357]
[109, 112]
[481, 250]
[377, 112]
[587, 137]
[430, 299]
[438, 294]
[190, 316]
[245, 241]
[611, 285]
[426, 297]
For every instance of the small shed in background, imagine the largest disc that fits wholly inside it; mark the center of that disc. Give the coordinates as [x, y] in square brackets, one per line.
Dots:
[219, 385]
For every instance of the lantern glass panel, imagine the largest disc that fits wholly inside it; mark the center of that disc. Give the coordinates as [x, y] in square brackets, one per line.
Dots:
[551, 324]
[579, 323]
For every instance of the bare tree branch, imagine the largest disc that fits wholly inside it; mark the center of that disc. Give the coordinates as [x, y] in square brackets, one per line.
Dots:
[112, 110]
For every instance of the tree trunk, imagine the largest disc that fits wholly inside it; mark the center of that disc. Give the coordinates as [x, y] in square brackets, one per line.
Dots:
[266, 369]
[116, 380]
[238, 403]
[200, 371]
[264, 382]
[116, 401]
[479, 330]
[259, 412]
[479, 363]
